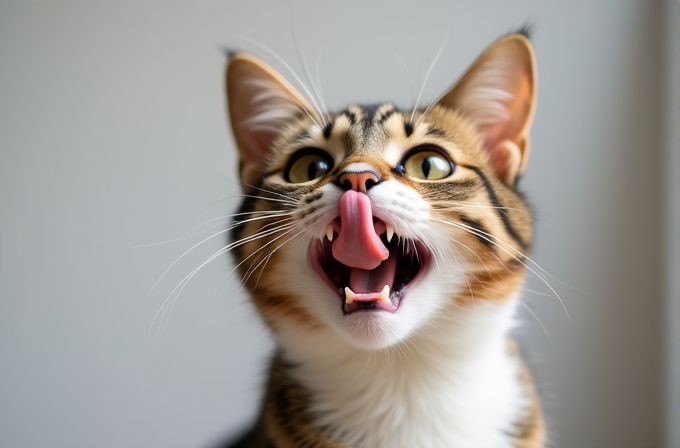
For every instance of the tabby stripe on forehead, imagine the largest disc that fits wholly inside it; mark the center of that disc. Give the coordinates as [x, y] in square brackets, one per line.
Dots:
[351, 116]
[499, 208]
[384, 117]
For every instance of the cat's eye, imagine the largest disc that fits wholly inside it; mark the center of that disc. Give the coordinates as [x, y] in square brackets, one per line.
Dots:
[427, 164]
[308, 164]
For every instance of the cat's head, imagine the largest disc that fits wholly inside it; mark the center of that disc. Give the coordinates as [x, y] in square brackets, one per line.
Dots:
[370, 222]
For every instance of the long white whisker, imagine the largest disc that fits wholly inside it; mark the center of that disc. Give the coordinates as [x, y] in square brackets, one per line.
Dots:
[225, 249]
[299, 49]
[408, 73]
[288, 228]
[257, 212]
[221, 251]
[297, 78]
[203, 241]
[271, 215]
[317, 66]
[490, 238]
[266, 257]
[429, 70]
[545, 330]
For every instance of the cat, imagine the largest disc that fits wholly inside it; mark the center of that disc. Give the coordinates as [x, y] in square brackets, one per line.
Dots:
[385, 249]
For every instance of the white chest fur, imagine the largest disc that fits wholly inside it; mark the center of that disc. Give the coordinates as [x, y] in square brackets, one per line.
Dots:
[452, 385]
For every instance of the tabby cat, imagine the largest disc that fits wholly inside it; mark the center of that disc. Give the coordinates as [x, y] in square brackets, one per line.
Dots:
[385, 249]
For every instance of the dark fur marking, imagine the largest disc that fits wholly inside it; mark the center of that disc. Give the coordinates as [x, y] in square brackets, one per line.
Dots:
[369, 111]
[314, 197]
[350, 116]
[408, 127]
[386, 116]
[304, 135]
[308, 212]
[499, 208]
[480, 232]
[435, 132]
[327, 130]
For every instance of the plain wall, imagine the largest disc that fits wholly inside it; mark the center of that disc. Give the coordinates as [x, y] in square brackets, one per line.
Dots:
[113, 135]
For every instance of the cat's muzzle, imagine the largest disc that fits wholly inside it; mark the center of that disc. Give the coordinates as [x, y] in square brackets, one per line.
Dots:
[362, 259]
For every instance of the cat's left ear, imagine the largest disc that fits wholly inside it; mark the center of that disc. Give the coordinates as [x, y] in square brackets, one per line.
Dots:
[261, 105]
[499, 94]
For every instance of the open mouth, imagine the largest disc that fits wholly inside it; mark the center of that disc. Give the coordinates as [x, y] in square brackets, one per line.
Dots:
[382, 288]
[361, 258]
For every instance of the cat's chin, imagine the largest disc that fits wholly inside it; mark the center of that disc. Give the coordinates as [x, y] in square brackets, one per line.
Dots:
[380, 290]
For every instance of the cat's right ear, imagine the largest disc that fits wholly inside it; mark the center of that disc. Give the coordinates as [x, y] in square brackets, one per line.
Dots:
[261, 104]
[499, 94]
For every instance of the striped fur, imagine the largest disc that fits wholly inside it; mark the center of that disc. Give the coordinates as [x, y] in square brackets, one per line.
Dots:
[440, 370]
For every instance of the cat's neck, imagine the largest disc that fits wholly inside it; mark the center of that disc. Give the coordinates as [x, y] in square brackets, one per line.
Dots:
[453, 384]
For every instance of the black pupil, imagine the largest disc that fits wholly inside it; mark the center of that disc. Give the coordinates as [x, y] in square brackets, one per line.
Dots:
[315, 167]
[426, 167]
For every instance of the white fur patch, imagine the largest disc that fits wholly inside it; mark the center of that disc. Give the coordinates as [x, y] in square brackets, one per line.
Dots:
[433, 374]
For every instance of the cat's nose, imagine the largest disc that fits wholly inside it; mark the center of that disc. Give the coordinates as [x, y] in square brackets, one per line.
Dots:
[360, 181]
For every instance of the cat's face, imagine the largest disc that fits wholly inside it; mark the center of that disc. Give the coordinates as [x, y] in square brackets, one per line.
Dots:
[370, 222]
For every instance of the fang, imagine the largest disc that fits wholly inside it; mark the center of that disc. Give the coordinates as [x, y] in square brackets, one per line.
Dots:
[349, 295]
[390, 231]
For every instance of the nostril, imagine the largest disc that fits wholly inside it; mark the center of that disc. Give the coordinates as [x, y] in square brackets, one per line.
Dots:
[358, 181]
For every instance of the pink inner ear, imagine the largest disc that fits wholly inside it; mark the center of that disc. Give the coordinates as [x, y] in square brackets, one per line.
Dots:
[506, 159]
[498, 95]
[261, 105]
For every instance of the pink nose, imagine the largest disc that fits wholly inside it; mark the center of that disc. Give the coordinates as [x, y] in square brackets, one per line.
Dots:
[358, 181]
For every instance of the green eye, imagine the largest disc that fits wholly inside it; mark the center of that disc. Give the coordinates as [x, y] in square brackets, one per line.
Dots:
[308, 165]
[427, 165]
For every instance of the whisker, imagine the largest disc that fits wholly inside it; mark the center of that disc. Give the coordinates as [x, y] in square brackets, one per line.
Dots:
[225, 249]
[317, 66]
[259, 212]
[545, 330]
[299, 49]
[205, 230]
[427, 75]
[266, 257]
[288, 228]
[462, 205]
[297, 78]
[490, 238]
[203, 241]
[408, 73]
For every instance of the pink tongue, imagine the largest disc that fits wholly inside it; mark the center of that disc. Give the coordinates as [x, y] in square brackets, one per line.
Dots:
[358, 245]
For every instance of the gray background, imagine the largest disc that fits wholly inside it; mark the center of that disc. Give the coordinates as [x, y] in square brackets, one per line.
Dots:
[112, 135]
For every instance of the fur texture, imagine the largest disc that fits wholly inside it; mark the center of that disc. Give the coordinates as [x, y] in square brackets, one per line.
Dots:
[432, 365]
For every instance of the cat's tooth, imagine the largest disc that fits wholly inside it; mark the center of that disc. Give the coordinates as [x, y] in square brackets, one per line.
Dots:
[385, 294]
[390, 231]
[349, 295]
[329, 232]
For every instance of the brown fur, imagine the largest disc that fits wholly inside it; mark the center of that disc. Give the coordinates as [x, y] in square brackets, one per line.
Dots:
[493, 230]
